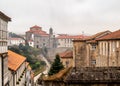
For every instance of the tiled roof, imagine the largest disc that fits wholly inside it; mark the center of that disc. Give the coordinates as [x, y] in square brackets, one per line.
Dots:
[93, 75]
[15, 60]
[94, 37]
[35, 26]
[26, 63]
[98, 35]
[66, 54]
[58, 76]
[65, 36]
[112, 36]
[38, 31]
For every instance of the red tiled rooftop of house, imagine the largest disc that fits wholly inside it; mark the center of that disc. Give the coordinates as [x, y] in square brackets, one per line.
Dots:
[94, 37]
[112, 36]
[35, 26]
[66, 54]
[15, 60]
[37, 30]
[65, 36]
[98, 35]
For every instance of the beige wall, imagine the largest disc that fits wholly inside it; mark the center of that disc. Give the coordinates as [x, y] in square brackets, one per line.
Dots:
[80, 54]
[3, 49]
[67, 62]
[17, 75]
[109, 53]
[106, 53]
[65, 42]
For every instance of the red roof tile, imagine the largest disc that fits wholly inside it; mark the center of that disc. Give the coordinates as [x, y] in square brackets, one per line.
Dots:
[65, 36]
[112, 36]
[37, 30]
[66, 54]
[35, 26]
[94, 37]
[15, 60]
[98, 35]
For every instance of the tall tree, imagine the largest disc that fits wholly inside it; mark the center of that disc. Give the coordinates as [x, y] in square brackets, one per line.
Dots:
[56, 66]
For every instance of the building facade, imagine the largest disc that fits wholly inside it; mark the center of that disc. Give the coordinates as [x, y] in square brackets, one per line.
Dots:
[67, 58]
[109, 50]
[15, 41]
[65, 40]
[85, 51]
[3, 49]
[39, 38]
[96, 62]
[17, 66]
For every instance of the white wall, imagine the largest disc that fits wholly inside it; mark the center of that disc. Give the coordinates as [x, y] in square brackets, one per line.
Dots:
[65, 42]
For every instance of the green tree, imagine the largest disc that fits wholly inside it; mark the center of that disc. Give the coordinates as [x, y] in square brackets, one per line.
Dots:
[56, 66]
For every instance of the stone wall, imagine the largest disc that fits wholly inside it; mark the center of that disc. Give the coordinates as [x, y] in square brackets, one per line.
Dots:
[80, 54]
[53, 51]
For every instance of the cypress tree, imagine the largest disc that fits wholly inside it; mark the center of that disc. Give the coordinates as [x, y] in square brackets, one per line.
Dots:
[56, 66]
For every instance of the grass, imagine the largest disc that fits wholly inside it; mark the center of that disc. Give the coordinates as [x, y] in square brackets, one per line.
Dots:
[39, 70]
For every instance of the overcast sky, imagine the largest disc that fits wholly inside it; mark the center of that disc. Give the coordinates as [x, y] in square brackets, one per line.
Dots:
[64, 16]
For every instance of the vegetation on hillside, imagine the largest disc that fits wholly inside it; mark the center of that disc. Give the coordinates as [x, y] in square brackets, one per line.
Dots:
[30, 53]
[56, 66]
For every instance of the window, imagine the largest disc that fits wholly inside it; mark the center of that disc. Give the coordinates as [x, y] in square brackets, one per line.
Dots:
[43, 44]
[37, 46]
[44, 40]
[93, 47]
[93, 62]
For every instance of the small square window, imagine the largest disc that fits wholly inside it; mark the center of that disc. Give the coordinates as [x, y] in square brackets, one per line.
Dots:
[93, 62]
[93, 47]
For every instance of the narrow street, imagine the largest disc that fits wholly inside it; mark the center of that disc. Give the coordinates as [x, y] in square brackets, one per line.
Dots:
[44, 72]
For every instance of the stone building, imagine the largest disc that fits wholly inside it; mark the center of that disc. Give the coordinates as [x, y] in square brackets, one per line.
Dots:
[39, 38]
[15, 41]
[109, 50]
[3, 49]
[65, 40]
[29, 75]
[96, 62]
[66, 58]
[99, 50]
[17, 66]
[85, 50]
